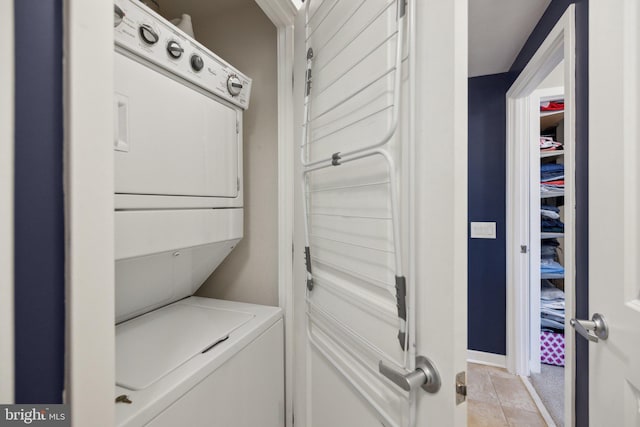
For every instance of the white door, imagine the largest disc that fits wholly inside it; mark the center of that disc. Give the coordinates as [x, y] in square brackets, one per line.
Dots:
[381, 212]
[614, 210]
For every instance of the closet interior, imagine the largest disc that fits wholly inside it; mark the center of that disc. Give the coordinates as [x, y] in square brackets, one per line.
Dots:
[552, 273]
[548, 220]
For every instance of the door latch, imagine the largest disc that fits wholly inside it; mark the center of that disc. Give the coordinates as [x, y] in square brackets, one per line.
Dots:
[461, 387]
[425, 375]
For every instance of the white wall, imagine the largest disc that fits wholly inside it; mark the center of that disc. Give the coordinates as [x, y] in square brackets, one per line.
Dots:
[555, 78]
[6, 202]
[246, 38]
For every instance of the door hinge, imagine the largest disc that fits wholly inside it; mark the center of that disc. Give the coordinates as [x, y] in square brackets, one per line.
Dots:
[524, 249]
[461, 387]
[237, 126]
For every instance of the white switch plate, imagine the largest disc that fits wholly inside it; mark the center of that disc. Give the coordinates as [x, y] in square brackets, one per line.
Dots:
[483, 230]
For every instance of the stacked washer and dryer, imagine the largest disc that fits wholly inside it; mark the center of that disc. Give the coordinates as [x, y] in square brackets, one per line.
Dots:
[182, 359]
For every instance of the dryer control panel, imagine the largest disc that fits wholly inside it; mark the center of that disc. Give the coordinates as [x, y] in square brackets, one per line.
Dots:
[146, 34]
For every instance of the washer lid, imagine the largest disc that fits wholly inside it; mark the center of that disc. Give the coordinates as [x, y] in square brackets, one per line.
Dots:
[150, 346]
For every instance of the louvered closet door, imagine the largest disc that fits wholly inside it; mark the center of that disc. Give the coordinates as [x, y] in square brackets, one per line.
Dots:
[353, 181]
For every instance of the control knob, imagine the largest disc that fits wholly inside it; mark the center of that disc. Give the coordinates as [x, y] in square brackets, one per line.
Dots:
[118, 15]
[174, 49]
[197, 63]
[234, 85]
[148, 34]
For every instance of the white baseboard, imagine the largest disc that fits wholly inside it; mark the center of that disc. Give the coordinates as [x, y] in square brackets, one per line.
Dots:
[490, 359]
[536, 398]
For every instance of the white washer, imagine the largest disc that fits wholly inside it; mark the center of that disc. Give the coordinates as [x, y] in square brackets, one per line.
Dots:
[180, 359]
[164, 368]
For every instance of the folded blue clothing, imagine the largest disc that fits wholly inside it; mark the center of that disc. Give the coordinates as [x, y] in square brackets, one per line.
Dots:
[550, 208]
[551, 167]
[557, 315]
[551, 269]
[547, 211]
[551, 324]
[551, 225]
[552, 304]
[551, 176]
[551, 242]
[551, 266]
[549, 291]
[551, 172]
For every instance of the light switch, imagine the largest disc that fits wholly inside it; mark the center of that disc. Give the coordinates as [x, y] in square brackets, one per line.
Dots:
[483, 230]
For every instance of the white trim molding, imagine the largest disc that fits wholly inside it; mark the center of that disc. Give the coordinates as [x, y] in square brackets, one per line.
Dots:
[489, 359]
[559, 45]
[281, 12]
[7, 106]
[286, 148]
[89, 181]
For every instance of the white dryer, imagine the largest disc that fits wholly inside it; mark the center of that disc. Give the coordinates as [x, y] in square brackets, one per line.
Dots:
[180, 359]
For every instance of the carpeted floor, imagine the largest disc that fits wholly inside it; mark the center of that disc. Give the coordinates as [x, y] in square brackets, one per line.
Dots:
[549, 384]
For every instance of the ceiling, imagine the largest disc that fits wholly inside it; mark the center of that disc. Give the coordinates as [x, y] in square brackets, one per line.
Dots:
[497, 28]
[497, 31]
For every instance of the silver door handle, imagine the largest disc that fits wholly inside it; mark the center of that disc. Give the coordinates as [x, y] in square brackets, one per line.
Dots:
[425, 376]
[594, 329]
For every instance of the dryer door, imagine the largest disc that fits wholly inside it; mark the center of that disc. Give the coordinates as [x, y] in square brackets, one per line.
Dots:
[172, 138]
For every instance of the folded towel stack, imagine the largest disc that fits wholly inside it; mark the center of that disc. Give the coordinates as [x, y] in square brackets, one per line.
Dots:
[551, 307]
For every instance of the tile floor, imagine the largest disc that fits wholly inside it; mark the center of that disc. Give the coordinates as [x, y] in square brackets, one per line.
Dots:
[498, 399]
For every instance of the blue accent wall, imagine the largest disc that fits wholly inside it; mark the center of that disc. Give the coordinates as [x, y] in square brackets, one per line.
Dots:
[485, 337]
[39, 203]
[486, 198]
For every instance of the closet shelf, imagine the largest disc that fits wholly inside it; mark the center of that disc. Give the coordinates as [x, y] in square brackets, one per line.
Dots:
[550, 113]
[544, 154]
[551, 235]
[551, 276]
[551, 120]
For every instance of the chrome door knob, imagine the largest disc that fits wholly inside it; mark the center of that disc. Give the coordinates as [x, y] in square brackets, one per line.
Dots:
[594, 330]
[425, 375]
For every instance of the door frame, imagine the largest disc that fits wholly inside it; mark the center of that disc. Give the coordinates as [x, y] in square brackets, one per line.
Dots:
[558, 45]
[7, 106]
[283, 13]
[88, 183]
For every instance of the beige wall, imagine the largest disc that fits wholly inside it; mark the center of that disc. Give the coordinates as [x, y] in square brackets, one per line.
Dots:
[246, 38]
[555, 78]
